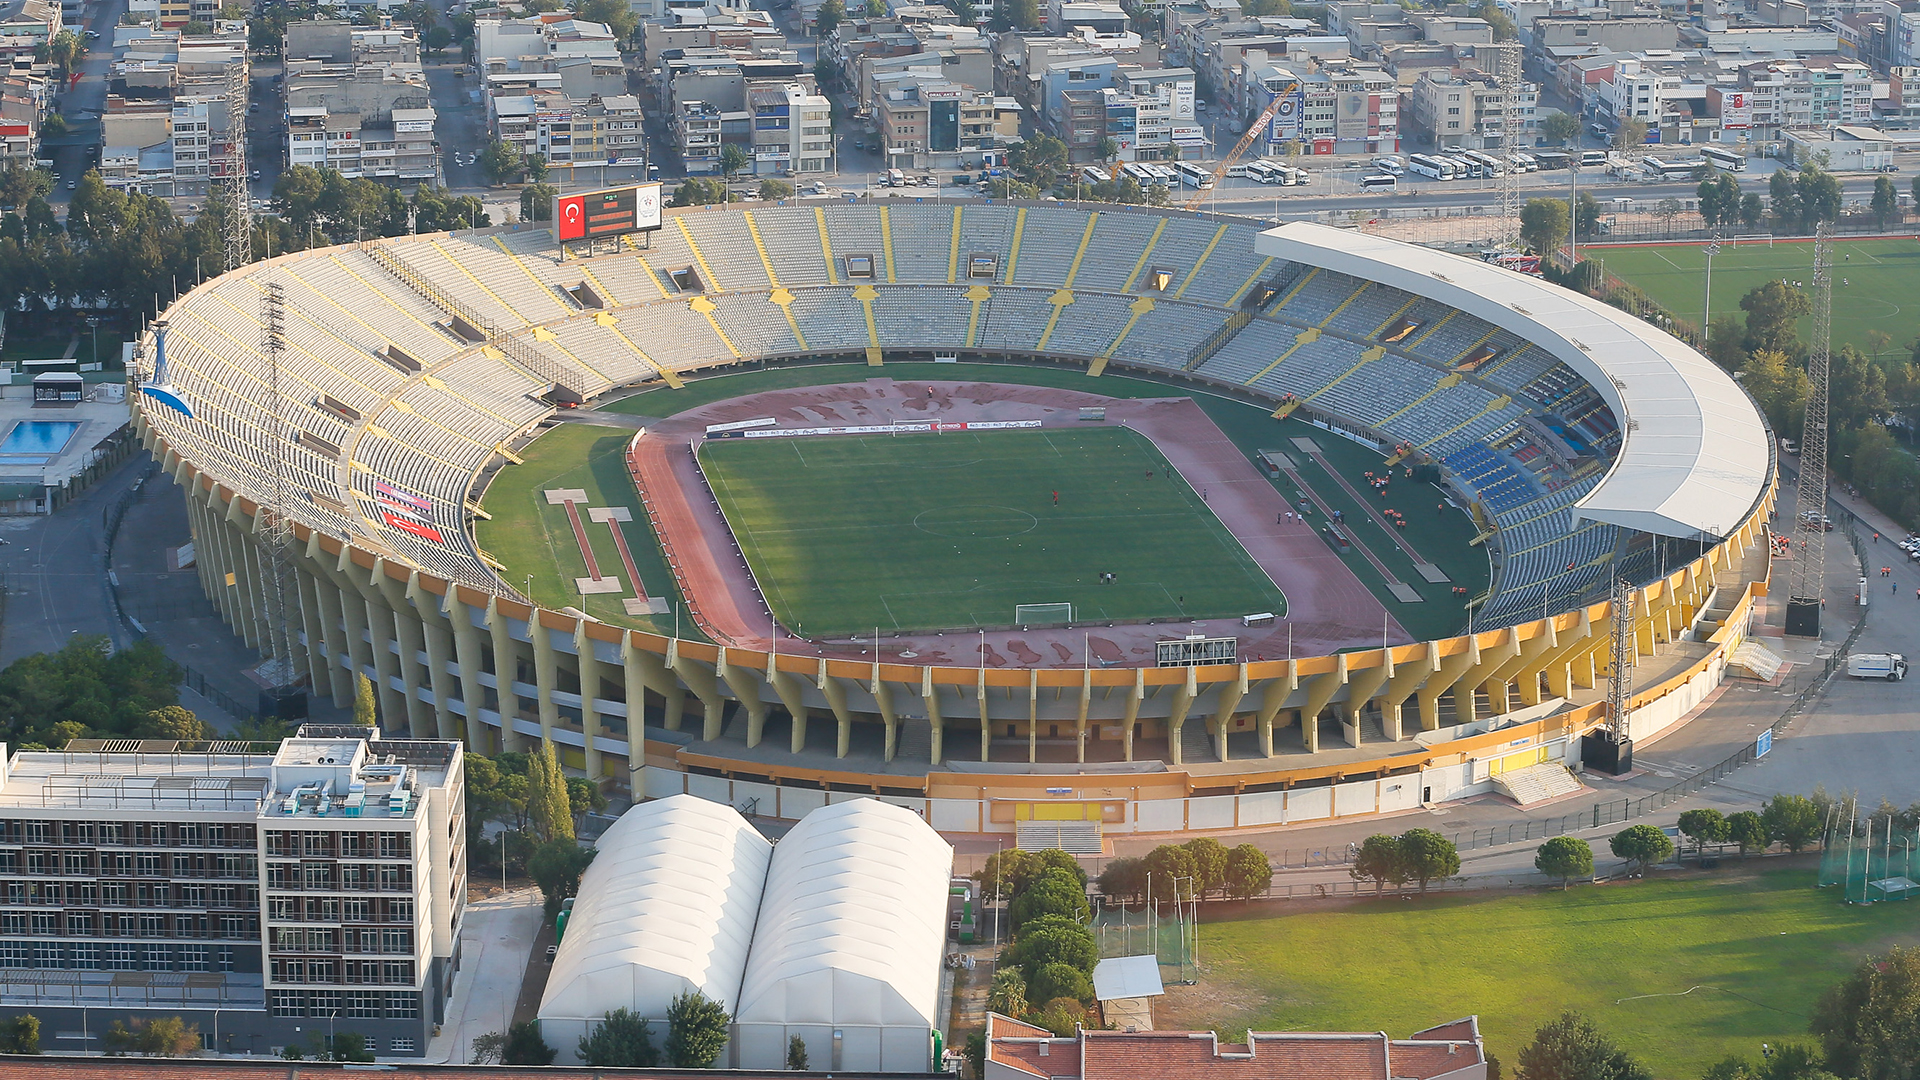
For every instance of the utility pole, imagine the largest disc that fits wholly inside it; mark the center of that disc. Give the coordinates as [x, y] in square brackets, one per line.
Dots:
[1506, 74]
[1806, 584]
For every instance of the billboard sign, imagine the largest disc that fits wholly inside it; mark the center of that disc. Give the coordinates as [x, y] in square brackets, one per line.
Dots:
[1736, 111]
[606, 212]
[1350, 116]
[1286, 118]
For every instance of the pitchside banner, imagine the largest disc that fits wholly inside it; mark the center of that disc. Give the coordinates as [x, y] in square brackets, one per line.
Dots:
[909, 428]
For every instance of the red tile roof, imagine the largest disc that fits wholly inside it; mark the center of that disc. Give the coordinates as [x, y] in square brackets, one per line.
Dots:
[1160, 1055]
[73, 1068]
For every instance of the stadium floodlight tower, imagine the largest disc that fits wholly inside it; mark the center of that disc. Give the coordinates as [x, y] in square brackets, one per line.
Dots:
[1610, 749]
[273, 526]
[1806, 582]
[238, 234]
[1507, 76]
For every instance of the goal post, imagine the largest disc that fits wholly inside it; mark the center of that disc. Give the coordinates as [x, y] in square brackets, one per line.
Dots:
[1042, 614]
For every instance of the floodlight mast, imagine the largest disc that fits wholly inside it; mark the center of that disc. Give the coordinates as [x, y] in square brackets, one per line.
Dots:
[1807, 577]
[238, 231]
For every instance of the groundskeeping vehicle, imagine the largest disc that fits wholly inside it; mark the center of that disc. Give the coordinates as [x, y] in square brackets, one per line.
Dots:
[1889, 666]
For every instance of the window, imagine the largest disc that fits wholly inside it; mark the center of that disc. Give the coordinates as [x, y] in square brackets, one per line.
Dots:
[358, 911]
[76, 864]
[46, 955]
[148, 866]
[15, 954]
[289, 1003]
[400, 911]
[403, 1006]
[13, 924]
[153, 926]
[86, 956]
[39, 832]
[79, 925]
[225, 957]
[400, 1046]
[396, 941]
[119, 958]
[43, 925]
[193, 958]
[157, 958]
[396, 972]
[363, 1005]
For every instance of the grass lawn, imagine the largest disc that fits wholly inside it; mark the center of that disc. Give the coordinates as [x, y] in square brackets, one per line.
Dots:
[1876, 287]
[1681, 971]
[939, 531]
[1443, 539]
[528, 535]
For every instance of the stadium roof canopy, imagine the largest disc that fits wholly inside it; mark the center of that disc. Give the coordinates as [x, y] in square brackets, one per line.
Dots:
[1694, 454]
[853, 925]
[668, 905]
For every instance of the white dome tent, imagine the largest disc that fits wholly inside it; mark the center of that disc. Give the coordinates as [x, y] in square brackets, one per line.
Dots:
[667, 906]
[847, 950]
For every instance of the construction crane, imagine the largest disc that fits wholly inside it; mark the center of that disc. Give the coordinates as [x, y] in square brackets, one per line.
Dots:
[1253, 129]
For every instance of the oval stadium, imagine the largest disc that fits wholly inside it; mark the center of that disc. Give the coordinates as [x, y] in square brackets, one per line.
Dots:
[1037, 516]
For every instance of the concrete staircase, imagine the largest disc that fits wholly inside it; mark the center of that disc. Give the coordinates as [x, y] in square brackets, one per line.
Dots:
[1072, 837]
[915, 743]
[1537, 783]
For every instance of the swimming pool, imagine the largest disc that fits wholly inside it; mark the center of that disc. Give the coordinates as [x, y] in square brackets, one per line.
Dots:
[37, 442]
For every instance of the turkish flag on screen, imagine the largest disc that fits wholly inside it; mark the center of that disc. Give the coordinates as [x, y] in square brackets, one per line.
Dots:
[570, 220]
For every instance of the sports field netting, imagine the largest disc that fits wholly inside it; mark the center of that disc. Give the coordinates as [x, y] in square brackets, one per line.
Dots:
[1874, 866]
[1876, 286]
[927, 532]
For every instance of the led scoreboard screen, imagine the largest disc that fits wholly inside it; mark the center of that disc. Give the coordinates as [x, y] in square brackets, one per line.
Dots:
[609, 212]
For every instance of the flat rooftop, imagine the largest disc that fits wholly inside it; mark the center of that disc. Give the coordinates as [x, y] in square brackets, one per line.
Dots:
[155, 777]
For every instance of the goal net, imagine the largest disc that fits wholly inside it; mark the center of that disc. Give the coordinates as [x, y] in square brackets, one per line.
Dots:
[1042, 614]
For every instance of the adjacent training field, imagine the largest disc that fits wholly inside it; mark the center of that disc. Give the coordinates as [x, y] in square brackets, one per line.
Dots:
[926, 532]
[1681, 972]
[1876, 285]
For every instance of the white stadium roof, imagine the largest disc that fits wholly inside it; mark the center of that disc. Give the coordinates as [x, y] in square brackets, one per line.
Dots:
[1694, 454]
[854, 922]
[667, 905]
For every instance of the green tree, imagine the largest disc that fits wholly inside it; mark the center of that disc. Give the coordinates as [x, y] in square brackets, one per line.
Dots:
[1052, 939]
[438, 39]
[1869, 1024]
[536, 168]
[617, 14]
[1631, 134]
[1586, 213]
[1170, 874]
[1249, 872]
[1819, 195]
[621, 1040]
[1054, 892]
[1886, 201]
[1378, 861]
[1426, 855]
[549, 807]
[1703, 826]
[1007, 995]
[1039, 161]
[584, 797]
[1785, 197]
[162, 1036]
[772, 189]
[1727, 343]
[1209, 863]
[1564, 857]
[828, 17]
[20, 1034]
[349, 1046]
[1123, 879]
[1061, 981]
[1747, 830]
[1503, 26]
[1569, 1047]
[1543, 224]
[1774, 310]
[487, 1049]
[1857, 389]
[1719, 197]
[365, 712]
[1752, 209]
[696, 1031]
[536, 202]
[733, 160]
[1791, 820]
[1779, 385]
[1560, 128]
[876, 9]
[555, 867]
[524, 1046]
[699, 191]
[102, 693]
[175, 723]
[1108, 149]
[796, 1054]
[501, 161]
[1640, 844]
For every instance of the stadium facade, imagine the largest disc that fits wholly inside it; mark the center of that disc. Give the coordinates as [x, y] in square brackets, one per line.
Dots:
[414, 365]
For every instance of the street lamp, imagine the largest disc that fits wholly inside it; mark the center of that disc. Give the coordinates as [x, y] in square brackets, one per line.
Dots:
[1706, 317]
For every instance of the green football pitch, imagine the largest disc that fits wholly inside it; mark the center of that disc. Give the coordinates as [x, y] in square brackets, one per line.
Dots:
[1876, 287]
[845, 534]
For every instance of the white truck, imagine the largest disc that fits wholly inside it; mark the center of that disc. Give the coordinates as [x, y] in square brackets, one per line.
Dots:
[1889, 666]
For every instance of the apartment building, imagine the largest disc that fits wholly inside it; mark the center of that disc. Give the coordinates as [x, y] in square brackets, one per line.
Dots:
[1344, 108]
[1809, 94]
[1468, 110]
[357, 101]
[25, 25]
[258, 896]
[573, 135]
[792, 128]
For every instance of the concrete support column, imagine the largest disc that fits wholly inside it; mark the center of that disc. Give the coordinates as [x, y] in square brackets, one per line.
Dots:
[439, 640]
[410, 638]
[746, 690]
[326, 593]
[703, 682]
[1033, 716]
[1080, 718]
[506, 664]
[930, 694]
[883, 701]
[1135, 695]
[1273, 697]
[1177, 715]
[836, 694]
[589, 689]
[313, 653]
[546, 671]
[466, 651]
[986, 725]
[1320, 691]
[1230, 695]
[1450, 669]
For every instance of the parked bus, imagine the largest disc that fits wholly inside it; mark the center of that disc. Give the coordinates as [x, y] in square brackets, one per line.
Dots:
[1489, 165]
[1193, 175]
[1094, 174]
[1140, 174]
[1265, 172]
[1379, 182]
[1593, 159]
[1552, 160]
[1523, 162]
[1729, 160]
[1162, 175]
[1392, 166]
[1676, 169]
[1433, 168]
[1297, 175]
